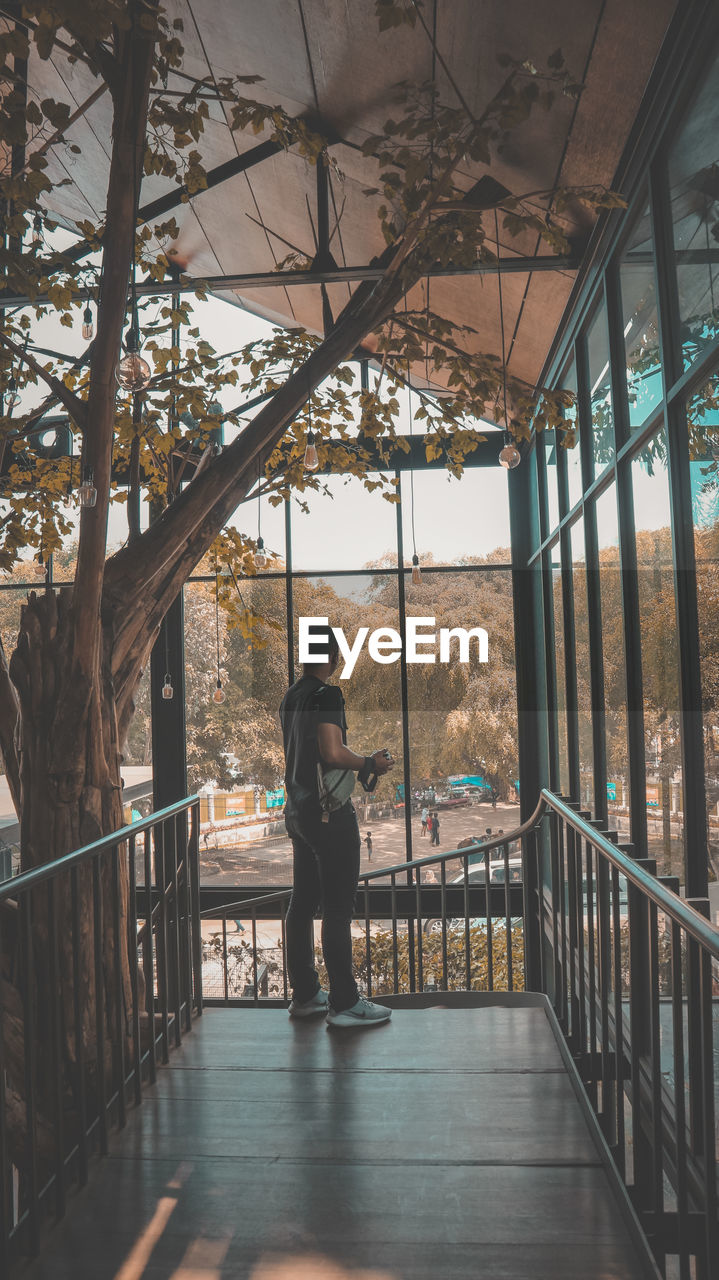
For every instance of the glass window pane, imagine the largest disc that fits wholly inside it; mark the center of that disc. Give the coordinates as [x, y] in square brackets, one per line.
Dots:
[639, 315]
[321, 537]
[234, 750]
[463, 716]
[615, 694]
[571, 439]
[559, 668]
[600, 389]
[703, 415]
[694, 187]
[455, 520]
[583, 672]
[660, 672]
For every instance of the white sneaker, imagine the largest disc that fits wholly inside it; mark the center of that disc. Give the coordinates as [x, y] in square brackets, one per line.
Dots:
[318, 1004]
[362, 1014]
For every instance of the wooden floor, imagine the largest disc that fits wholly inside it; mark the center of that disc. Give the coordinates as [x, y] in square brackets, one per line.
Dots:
[448, 1143]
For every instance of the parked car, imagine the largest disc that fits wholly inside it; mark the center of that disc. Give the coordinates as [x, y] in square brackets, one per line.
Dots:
[477, 875]
[452, 802]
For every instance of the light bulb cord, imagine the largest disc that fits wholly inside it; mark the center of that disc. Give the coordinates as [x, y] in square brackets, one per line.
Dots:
[501, 321]
[217, 620]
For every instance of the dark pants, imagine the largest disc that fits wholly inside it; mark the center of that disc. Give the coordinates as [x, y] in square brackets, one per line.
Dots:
[326, 866]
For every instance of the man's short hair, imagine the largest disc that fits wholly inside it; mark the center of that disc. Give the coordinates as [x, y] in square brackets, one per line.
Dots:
[324, 639]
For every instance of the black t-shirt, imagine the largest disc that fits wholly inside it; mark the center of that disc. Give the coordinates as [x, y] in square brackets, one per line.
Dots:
[307, 703]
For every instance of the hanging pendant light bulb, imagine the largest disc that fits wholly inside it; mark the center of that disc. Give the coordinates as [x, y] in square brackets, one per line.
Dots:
[219, 695]
[509, 456]
[312, 462]
[88, 328]
[12, 395]
[167, 690]
[132, 372]
[37, 231]
[416, 571]
[87, 493]
[260, 556]
[38, 565]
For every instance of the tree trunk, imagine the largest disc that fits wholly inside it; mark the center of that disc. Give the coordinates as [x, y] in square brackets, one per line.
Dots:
[63, 809]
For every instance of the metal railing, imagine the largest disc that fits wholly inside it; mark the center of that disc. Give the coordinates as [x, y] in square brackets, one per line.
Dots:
[101, 972]
[419, 926]
[631, 969]
[633, 973]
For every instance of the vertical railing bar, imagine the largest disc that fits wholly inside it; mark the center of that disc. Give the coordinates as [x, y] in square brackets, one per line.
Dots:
[619, 1151]
[711, 1226]
[30, 1072]
[554, 879]
[507, 918]
[225, 960]
[467, 943]
[193, 855]
[5, 1183]
[186, 920]
[81, 1096]
[148, 957]
[58, 1073]
[573, 1024]
[119, 990]
[162, 957]
[680, 1118]
[175, 930]
[564, 961]
[367, 940]
[607, 1112]
[395, 958]
[443, 893]
[591, 1073]
[97, 937]
[656, 1068]
[283, 938]
[488, 903]
[133, 961]
[581, 1042]
[418, 915]
[255, 968]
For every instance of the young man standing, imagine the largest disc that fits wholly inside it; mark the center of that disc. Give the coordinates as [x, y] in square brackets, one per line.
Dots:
[326, 847]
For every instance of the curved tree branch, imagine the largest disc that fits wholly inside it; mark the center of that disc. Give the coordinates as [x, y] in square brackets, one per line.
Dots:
[76, 407]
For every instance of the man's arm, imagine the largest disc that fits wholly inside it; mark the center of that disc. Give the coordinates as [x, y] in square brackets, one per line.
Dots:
[334, 752]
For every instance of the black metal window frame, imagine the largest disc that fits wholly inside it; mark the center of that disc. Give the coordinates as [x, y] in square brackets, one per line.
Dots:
[649, 182]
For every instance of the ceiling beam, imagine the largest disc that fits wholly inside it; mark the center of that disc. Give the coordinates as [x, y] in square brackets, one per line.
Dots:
[337, 275]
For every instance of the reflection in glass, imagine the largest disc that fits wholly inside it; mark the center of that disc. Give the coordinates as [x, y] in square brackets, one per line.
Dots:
[694, 189]
[615, 694]
[660, 672]
[571, 438]
[560, 670]
[639, 315]
[703, 415]
[600, 387]
[550, 458]
[583, 672]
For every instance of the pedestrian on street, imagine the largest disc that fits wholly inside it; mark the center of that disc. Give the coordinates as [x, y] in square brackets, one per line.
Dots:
[435, 828]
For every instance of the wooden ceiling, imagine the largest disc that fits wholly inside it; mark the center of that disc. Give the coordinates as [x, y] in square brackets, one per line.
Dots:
[327, 59]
